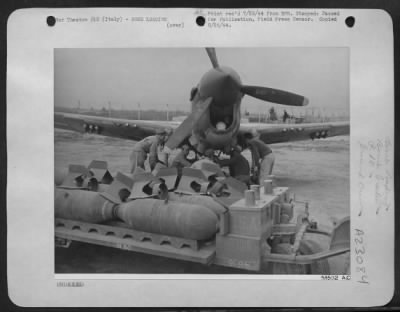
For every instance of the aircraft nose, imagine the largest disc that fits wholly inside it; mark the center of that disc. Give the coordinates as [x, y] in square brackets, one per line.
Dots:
[222, 86]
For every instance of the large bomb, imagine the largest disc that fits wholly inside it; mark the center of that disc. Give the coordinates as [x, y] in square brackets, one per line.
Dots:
[59, 175]
[82, 205]
[172, 218]
[201, 200]
[149, 215]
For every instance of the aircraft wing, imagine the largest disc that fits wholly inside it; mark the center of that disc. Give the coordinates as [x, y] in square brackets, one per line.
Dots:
[113, 127]
[277, 133]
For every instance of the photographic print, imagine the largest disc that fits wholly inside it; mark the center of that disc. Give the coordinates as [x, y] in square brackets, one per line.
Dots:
[200, 157]
[169, 161]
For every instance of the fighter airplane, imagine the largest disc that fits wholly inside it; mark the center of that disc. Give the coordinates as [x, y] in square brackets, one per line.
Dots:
[214, 121]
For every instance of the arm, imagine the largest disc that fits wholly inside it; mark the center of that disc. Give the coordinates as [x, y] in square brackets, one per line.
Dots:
[185, 162]
[180, 160]
[225, 162]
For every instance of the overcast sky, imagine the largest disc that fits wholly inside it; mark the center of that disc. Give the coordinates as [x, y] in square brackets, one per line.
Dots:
[159, 76]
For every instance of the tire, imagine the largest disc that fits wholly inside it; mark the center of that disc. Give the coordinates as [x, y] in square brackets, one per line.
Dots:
[307, 247]
[286, 268]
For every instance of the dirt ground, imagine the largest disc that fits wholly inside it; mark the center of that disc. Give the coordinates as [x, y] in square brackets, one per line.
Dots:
[316, 171]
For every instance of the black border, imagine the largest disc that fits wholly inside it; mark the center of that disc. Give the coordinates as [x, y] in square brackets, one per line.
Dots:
[8, 6]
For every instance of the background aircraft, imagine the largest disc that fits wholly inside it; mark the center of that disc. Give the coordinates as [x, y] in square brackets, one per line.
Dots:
[214, 121]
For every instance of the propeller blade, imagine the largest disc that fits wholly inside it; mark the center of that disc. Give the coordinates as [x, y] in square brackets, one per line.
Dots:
[275, 95]
[213, 57]
[186, 127]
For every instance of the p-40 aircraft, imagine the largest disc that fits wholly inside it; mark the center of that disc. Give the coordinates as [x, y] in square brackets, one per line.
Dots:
[215, 118]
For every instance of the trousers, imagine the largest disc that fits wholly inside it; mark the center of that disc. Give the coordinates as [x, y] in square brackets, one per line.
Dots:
[137, 159]
[266, 166]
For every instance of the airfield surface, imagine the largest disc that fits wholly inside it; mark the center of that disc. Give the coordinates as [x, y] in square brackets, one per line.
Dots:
[316, 171]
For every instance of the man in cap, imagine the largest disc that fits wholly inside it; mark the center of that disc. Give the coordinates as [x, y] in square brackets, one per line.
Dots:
[148, 147]
[238, 165]
[263, 158]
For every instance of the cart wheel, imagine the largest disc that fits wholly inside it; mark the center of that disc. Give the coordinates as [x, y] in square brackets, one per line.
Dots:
[309, 247]
[286, 268]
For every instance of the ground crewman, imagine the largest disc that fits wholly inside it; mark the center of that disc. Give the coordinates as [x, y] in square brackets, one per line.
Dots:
[148, 147]
[180, 161]
[239, 167]
[263, 158]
